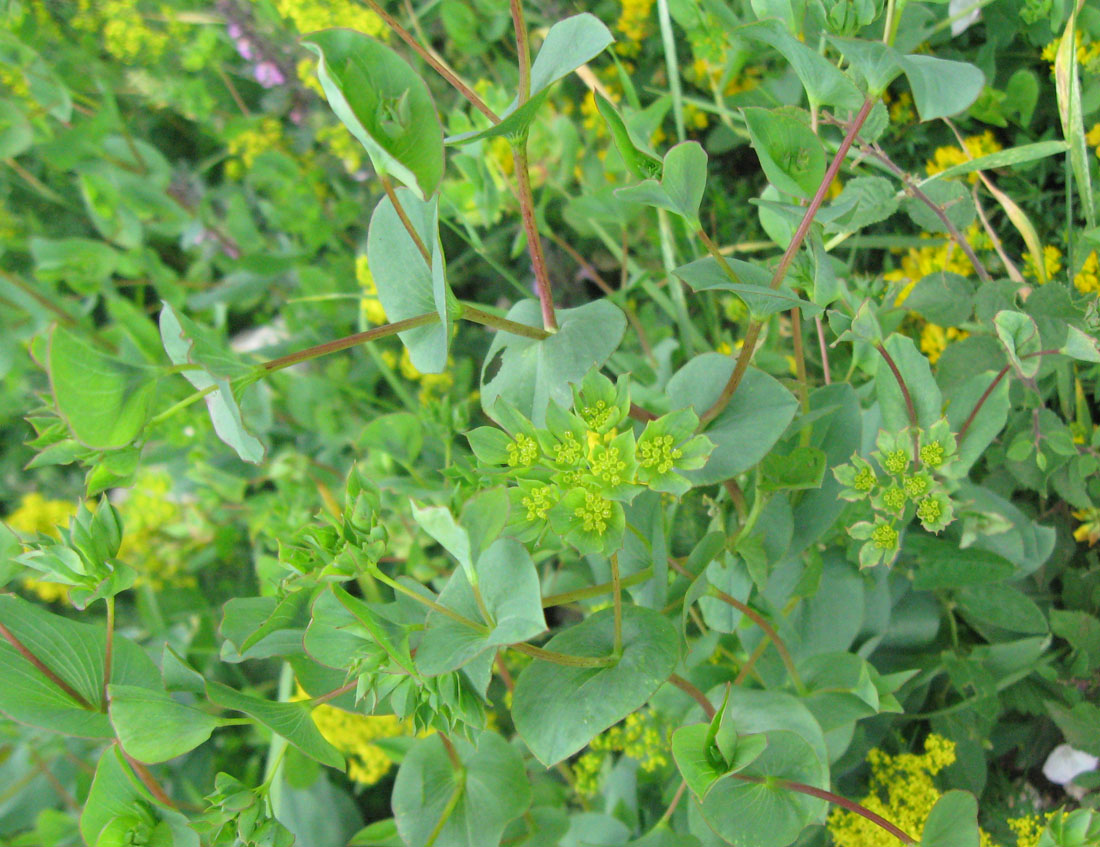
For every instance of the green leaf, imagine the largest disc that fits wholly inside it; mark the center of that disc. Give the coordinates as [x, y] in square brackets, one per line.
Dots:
[105, 401]
[951, 197]
[291, 721]
[510, 588]
[802, 468]
[1067, 88]
[153, 727]
[81, 263]
[558, 709]
[641, 163]
[942, 298]
[1002, 606]
[754, 290]
[441, 525]
[1002, 159]
[987, 424]
[953, 822]
[433, 803]
[865, 200]
[941, 87]
[117, 794]
[749, 426]
[877, 63]
[568, 45]
[262, 627]
[917, 374]
[385, 104]
[1080, 725]
[16, 132]
[701, 769]
[187, 344]
[1020, 338]
[942, 564]
[792, 157]
[530, 373]
[74, 652]
[400, 434]
[761, 812]
[1080, 345]
[824, 84]
[406, 285]
[680, 190]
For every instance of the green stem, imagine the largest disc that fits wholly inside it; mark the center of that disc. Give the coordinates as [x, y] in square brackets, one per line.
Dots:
[672, 66]
[712, 248]
[595, 590]
[109, 648]
[563, 658]
[348, 341]
[478, 316]
[448, 810]
[182, 404]
[617, 588]
[753, 331]
[424, 601]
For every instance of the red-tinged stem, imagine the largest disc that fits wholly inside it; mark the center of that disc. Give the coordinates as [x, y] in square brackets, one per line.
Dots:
[985, 394]
[148, 780]
[829, 797]
[445, 72]
[640, 414]
[695, 694]
[909, 407]
[332, 695]
[534, 241]
[25, 652]
[753, 331]
[452, 753]
[349, 341]
[387, 186]
[523, 48]
[824, 350]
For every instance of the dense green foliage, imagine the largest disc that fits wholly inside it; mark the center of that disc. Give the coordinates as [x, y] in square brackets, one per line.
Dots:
[667, 422]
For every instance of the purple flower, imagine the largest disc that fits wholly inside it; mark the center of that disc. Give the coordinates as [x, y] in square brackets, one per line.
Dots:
[244, 47]
[268, 74]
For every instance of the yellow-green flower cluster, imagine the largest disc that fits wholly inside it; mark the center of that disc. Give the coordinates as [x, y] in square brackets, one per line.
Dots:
[638, 737]
[124, 32]
[245, 146]
[902, 790]
[355, 736]
[431, 385]
[36, 514]
[312, 15]
[1028, 829]
[148, 514]
[343, 145]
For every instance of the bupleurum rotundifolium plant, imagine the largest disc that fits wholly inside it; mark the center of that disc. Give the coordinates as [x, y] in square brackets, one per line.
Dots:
[916, 481]
[573, 476]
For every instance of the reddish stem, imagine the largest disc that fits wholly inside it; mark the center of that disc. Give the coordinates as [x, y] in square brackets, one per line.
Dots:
[694, 693]
[25, 652]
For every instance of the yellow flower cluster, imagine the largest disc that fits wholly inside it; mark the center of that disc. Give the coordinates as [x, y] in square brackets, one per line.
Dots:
[634, 24]
[1089, 530]
[976, 146]
[919, 262]
[312, 15]
[354, 735]
[1028, 829]
[1088, 55]
[369, 304]
[1087, 280]
[245, 146]
[431, 385]
[637, 737]
[36, 514]
[343, 145]
[934, 339]
[901, 108]
[126, 35]
[1052, 263]
[147, 515]
[902, 791]
[15, 81]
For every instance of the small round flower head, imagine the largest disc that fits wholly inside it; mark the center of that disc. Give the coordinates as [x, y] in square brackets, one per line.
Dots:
[937, 445]
[884, 536]
[935, 512]
[658, 453]
[864, 479]
[608, 466]
[569, 450]
[522, 452]
[594, 513]
[537, 503]
[894, 499]
[931, 455]
[895, 462]
[598, 416]
[916, 486]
